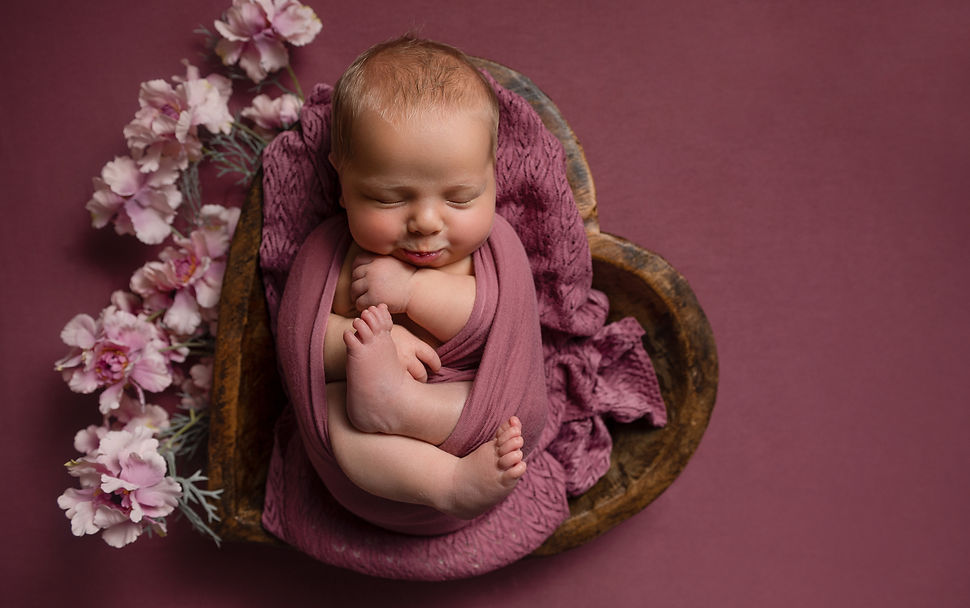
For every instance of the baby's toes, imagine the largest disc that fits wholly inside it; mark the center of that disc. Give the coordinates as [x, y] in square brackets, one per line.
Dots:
[511, 475]
[378, 318]
[510, 460]
[364, 332]
[508, 430]
[510, 445]
[351, 339]
[383, 317]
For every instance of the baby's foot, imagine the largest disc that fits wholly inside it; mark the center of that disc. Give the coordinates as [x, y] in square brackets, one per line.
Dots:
[489, 474]
[375, 376]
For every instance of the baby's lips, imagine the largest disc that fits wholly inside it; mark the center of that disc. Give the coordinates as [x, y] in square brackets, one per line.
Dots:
[421, 257]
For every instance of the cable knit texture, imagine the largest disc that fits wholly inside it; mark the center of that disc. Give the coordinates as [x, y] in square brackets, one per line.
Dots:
[592, 369]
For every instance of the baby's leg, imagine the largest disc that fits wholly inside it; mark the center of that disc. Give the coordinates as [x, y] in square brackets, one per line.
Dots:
[409, 470]
[382, 397]
[490, 473]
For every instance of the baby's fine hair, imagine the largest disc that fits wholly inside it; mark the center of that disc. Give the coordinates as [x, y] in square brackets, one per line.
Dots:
[404, 76]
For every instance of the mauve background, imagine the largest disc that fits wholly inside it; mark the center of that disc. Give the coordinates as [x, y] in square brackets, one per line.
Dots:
[805, 165]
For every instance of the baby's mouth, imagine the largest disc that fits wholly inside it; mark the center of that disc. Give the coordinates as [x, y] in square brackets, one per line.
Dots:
[421, 257]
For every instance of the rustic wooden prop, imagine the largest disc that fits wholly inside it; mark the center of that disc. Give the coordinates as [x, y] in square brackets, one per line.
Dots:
[248, 396]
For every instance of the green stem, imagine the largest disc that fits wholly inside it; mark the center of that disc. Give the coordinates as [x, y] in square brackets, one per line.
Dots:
[193, 419]
[249, 131]
[296, 83]
[189, 344]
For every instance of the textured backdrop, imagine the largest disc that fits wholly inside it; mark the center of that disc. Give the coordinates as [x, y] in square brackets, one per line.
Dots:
[805, 165]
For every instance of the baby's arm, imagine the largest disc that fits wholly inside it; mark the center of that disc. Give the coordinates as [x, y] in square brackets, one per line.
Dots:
[413, 352]
[438, 301]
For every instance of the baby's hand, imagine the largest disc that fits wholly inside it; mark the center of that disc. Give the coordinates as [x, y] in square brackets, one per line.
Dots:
[380, 279]
[415, 353]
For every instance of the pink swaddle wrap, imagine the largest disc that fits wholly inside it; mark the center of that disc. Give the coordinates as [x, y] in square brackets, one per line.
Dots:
[591, 369]
[501, 339]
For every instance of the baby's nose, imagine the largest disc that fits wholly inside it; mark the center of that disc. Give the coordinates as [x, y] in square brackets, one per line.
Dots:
[425, 219]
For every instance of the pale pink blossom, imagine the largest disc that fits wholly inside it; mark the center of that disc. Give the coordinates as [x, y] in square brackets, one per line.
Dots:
[273, 115]
[129, 416]
[136, 471]
[216, 224]
[197, 387]
[124, 488]
[88, 439]
[254, 32]
[115, 352]
[175, 351]
[132, 415]
[119, 531]
[138, 203]
[80, 506]
[126, 301]
[186, 281]
[167, 124]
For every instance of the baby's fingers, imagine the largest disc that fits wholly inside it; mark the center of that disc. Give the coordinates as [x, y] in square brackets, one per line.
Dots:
[428, 356]
[362, 259]
[357, 289]
[417, 370]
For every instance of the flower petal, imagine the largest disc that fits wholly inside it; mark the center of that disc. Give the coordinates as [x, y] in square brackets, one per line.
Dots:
[160, 499]
[81, 381]
[80, 331]
[272, 53]
[151, 372]
[87, 440]
[149, 226]
[118, 529]
[110, 399]
[297, 24]
[251, 62]
[122, 176]
[183, 316]
[110, 485]
[79, 509]
[229, 50]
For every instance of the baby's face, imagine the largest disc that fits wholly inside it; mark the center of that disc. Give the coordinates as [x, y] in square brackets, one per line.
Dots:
[421, 190]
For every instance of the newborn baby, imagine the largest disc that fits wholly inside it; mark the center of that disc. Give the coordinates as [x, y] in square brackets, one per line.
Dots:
[414, 139]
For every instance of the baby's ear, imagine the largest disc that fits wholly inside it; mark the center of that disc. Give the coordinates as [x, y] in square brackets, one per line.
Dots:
[330, 158]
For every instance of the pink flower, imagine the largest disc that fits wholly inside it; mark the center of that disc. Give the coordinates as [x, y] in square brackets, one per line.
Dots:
[136, 471]
[117, 351]
[126, 301]
[132, 415]
[216, 224]
[174, 351]
[138, 203]
[198, 386]
[273, 115]
[186, 281]
[129, 416]
[254, 33]
[79, 507]
[123, 488]
[119, 531]
[167, 125]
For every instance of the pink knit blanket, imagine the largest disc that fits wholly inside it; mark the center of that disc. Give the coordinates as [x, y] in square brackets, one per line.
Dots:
[591, 369]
